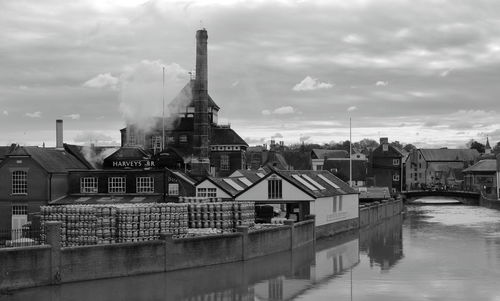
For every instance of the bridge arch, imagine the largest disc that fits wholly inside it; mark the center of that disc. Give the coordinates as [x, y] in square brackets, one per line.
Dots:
[464, 197]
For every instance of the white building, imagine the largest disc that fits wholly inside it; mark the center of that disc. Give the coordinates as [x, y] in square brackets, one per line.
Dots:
[305, 192]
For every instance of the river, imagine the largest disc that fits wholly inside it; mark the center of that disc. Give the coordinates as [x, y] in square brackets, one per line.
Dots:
[437, 252]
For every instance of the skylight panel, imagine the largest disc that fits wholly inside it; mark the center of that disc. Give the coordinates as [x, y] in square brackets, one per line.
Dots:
[318, 185]
[304, 182]
[261, 175]
[322, 177]
[233, 184]
[245, 181]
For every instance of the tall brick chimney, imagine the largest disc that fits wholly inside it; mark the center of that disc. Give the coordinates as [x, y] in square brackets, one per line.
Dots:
[200, 164]
[59, 134]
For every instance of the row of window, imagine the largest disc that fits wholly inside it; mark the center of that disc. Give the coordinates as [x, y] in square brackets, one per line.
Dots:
[206, 192]
[118, 185]
[222, 148]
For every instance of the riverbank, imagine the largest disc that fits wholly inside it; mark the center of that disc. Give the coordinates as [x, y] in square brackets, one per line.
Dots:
[489, 202]
[53, 264]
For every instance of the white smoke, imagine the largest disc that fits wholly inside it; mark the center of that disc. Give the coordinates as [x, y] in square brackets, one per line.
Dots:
[142, 91]
[97, 158]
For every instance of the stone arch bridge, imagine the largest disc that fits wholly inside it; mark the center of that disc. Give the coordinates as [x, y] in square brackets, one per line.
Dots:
[464, 197]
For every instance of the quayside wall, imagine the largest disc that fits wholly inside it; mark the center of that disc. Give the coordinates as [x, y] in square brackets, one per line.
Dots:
[373, 213]
[52, 264]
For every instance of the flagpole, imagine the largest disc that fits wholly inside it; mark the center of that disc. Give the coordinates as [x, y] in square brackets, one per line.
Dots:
[350, 153]
[163, 112]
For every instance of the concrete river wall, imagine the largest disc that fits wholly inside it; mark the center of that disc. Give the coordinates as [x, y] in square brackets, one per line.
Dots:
[52, 264]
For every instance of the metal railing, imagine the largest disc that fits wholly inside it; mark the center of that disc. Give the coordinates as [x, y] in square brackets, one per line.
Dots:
[23, 237]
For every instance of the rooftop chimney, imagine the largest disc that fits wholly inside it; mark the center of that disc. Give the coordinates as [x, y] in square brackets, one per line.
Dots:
[384, 140]
[201, 163]
[59, 134]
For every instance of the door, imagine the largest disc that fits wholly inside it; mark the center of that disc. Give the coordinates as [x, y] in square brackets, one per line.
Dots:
[19, 218]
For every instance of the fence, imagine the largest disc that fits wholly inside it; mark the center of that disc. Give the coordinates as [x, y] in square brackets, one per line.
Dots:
[23, 237]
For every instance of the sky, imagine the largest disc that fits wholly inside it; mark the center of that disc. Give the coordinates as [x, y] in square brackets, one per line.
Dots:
[422, 72]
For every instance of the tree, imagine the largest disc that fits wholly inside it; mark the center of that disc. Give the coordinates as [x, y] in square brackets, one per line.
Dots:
[496, 149]
[367, 144]
[476, 145]
[397, 144]
[409, 147]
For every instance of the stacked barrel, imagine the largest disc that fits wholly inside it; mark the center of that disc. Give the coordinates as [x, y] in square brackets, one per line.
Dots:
[83, 224]
[244, 213]
[173, 219]
[103, 224]
[208, 215]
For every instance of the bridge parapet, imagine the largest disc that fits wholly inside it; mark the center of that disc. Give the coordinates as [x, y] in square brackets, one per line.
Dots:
[465, 197]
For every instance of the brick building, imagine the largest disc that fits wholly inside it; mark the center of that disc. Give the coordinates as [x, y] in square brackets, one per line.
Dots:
[386, 162]
[194, 141]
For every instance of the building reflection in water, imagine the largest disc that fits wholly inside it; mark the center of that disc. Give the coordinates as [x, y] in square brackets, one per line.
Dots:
[281, 276]
[333, 257]
[383, 243]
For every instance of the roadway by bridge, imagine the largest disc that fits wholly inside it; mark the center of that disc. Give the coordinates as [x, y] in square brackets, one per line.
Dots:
[464, 197]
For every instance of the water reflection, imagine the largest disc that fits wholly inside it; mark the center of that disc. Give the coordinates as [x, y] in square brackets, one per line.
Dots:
[383, 243]
[300, 274]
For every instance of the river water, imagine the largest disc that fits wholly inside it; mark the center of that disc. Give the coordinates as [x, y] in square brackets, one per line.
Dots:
[437, 252]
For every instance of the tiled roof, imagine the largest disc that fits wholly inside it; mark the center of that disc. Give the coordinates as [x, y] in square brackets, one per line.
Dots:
[449, 154]
[488, 165]
[343, 187]
[185, 98]
[54, 160]
[318, 153]
[359, 168]
[297, 160]
[128, 152]
[3, 151]
[225, 136]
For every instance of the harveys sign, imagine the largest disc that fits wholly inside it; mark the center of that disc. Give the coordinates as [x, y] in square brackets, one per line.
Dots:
[132, 163]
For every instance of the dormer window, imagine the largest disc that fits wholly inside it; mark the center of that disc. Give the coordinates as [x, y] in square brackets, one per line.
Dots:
[385, 147]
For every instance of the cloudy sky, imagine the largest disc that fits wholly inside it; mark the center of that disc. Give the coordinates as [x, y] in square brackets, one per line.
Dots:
[424, 72]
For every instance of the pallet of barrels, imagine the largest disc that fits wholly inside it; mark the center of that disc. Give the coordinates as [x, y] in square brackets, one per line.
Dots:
[244, 213]
[52, 214]
[83, 224]
[142, 222]
[211, 215]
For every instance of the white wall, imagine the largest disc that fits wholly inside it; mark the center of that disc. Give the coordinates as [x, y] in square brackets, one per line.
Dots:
[207, 184]
[323, 209]
[259, 193]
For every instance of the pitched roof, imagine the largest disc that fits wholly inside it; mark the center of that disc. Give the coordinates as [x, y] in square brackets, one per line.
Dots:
[359, 168]
[224, 184]
[185, 99]
[128, 152]
[225, 136]
[374, 193]
[319, 153]
[297, 159]
[3, 151]
[319, 177]
[54, 160]
[252, 175]
[488, 165]
[449, 154]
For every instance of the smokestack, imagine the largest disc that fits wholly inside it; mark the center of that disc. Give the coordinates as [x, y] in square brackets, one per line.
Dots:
[59, 134]
[201, 162]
